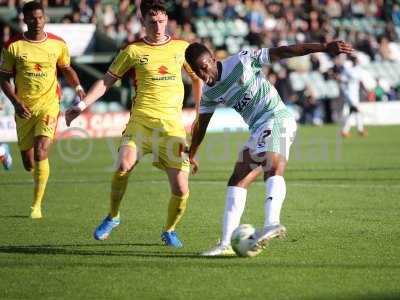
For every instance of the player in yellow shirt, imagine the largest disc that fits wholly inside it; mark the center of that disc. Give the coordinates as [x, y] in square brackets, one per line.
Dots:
[155, 125]
[33, 59]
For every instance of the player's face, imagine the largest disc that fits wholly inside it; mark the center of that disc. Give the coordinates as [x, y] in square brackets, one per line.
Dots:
[35, 20]
[206, 68]
[155, 26]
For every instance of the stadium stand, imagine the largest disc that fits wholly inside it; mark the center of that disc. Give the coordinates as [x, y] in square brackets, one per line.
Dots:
[373, 27]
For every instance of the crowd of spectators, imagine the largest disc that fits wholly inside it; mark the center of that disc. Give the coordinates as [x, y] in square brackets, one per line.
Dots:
[371, 26]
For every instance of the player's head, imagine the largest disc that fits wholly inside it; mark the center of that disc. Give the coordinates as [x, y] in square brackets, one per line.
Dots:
[202, 62]
[34, 16]
[155, 18]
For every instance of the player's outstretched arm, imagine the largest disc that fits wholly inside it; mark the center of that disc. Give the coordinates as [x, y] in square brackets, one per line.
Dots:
[97, 90]
[197, 85]
[198, 133]
[20, 109]
[333, 48]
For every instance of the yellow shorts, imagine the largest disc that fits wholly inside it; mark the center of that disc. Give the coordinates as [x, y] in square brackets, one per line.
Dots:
[41, 123]
[165, 139]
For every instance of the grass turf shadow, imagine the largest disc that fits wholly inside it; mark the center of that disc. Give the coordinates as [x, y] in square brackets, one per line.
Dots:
[76, 249]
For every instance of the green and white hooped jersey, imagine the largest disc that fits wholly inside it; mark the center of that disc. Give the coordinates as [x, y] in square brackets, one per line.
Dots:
[244, 87]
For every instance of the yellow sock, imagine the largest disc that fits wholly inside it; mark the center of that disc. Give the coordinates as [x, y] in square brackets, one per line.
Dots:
[118, 188]
[176, 209]
[40, 175]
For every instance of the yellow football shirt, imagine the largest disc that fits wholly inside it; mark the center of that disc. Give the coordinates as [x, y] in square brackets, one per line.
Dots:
[33, 64]
[157, 77]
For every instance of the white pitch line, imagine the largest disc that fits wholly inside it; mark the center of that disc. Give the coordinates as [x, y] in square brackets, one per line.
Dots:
[216, 182]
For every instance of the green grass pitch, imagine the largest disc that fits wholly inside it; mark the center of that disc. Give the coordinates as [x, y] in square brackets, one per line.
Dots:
[342, 212]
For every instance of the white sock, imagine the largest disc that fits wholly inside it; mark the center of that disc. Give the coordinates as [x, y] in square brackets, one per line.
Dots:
[234, 207]
[347, 123]
[360, 122]
[2, 150]
[276, 192]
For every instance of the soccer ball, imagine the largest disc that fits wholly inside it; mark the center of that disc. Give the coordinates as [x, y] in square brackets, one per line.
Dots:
[242, 239]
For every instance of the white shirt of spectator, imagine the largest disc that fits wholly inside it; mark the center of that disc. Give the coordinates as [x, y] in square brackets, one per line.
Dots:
[350, 83]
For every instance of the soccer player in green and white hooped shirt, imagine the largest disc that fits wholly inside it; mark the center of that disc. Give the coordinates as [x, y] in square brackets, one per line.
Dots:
[238, 82]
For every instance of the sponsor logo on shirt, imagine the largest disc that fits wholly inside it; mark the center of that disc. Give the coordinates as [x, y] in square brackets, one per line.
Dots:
[163, 70]
[240, 105]
[37, 71]
[37, 68]
[164, 74]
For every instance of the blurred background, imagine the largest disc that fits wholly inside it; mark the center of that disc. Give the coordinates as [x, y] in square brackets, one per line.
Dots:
[94, 31]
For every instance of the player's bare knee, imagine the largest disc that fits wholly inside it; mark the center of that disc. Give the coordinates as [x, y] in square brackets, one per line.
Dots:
[41, 155]
[236, 180]
[125, 166]
[180, 190]
[41, 151]
[275, 169]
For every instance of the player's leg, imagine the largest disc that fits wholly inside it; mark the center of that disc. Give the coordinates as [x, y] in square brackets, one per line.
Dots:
[178, 181]
[131, 149]
[346, 121]
[359, 120]
[274, 169]
[244, 173]
[5, 156]
[43, 131]
[128, 158]
[27, 159]
[41, 173]
[277, 143]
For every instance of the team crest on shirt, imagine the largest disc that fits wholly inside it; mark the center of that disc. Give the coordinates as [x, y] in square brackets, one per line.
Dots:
[221, 100]
[52, 56]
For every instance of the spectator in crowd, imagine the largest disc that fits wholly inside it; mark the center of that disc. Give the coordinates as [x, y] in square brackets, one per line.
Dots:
[372, 26]
[349, 76]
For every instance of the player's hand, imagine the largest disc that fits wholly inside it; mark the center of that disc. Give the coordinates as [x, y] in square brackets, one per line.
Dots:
[195, 165]
[22, 111]
[337, 47]
[71, 113]
[81, 94]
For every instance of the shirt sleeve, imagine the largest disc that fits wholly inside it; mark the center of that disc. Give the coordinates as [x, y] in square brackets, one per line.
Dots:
[189, 70]
[64, 59]
[7, 62]
[255, 58]
[263, 56]
[121, 64]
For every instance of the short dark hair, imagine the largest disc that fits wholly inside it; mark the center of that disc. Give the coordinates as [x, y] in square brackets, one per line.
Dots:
[31, 6]
[194, 51]
[152, 7]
